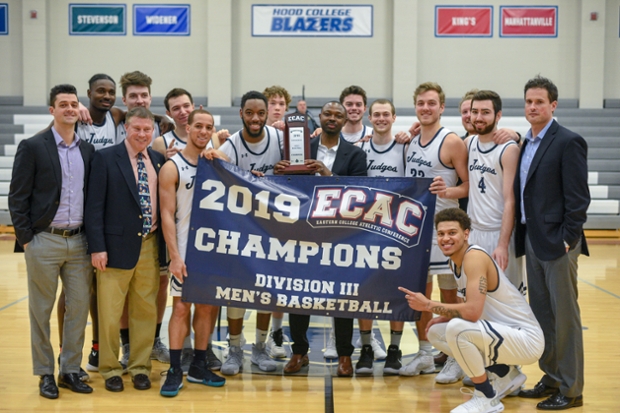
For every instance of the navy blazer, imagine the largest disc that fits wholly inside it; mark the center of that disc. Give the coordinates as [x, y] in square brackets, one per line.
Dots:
[556, 195]
[34, 193]
[113, 214]
[350, 159]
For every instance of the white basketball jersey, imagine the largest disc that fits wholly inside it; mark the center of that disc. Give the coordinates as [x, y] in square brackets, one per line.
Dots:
[185, 195]
[384, 160]
[424, 162]
[355, 137]
[121, 132]
[178, 143]
[486, 182]
[101, 136]
[505, 304]
[261, 156]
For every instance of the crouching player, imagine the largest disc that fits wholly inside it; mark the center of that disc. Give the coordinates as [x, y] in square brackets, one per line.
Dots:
[491, 327]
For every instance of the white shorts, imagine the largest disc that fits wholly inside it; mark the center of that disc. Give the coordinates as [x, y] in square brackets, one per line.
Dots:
[176, 288]
[516, 266]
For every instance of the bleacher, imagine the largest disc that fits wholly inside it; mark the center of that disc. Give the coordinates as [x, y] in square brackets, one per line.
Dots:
[600, 128]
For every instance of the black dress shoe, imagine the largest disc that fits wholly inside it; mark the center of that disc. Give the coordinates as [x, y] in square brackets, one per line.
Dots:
[141, 382]
[72, 382]
[539, 391]
[560, 402]
[114, 383]
[47, 387]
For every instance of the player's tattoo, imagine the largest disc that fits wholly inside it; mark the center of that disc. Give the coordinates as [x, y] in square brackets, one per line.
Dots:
[443, 311]
[482, 287]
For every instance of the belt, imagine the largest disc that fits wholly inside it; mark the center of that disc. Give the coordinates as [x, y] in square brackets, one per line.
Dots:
[65, 232]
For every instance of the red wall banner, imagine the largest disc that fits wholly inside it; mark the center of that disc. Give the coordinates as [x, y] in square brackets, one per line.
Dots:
[463, 21]
[528, 21]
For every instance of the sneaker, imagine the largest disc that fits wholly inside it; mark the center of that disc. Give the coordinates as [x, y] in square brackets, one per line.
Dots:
[380, 354]
[422, 363]
[261, 358]
[173, 383]
[330, 350]
[160, 352]
[515, 393]
[393, 361]
[479, 403]
[187, 356]
[213, 363]
[364, 364]
[93, 360]
[275, 343]
[243, 342]
[234, 363]
[467, 381]
[509, 383]
[450, 373]
[198, 373]
[125, 358]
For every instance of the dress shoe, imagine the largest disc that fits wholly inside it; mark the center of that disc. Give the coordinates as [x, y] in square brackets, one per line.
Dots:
[72, 382]
[539, 391]
[296, 362]
[114, 383]
[440, 359]
[47, 387]
[345, 368]
[141, 382]
[560, 402]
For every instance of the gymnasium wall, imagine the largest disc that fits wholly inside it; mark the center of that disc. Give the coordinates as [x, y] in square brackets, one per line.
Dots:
[222, 60]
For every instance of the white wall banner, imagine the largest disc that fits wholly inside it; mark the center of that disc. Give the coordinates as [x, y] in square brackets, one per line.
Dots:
[294, 20]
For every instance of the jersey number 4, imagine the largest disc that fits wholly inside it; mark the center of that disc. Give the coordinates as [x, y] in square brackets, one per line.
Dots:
[482, 186]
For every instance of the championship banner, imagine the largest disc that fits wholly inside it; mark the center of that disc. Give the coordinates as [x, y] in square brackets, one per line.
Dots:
[4, 19]
[161, 20]
[463, 21]
[97, 19]
[531, 21]
[320, 20]
[332, 246]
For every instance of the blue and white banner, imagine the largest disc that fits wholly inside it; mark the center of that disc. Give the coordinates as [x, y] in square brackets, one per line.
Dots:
[161, 20]
[318, 20]
[4, 18]
[336, 246]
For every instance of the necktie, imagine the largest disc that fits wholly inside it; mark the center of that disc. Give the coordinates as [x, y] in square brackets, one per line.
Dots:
[144, 196]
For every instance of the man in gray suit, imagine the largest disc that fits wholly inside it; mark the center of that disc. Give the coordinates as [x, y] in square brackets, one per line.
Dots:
[46, 201]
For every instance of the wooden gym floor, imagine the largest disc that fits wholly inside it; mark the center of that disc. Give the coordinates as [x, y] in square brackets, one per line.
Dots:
[599, 290]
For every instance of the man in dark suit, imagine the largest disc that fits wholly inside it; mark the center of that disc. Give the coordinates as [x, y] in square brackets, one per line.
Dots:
[123, 239]
[551, 199]
[331, 155]
[46, 200]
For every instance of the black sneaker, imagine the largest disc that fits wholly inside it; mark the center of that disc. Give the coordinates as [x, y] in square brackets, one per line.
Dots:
[277, 337]
[364, 364]
[393, 361]
[173, 383]
[213, 363]
[93, 360]
[198, 373]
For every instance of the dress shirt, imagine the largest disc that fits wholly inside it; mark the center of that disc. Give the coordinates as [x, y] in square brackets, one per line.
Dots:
[327, 155]
[70, 213]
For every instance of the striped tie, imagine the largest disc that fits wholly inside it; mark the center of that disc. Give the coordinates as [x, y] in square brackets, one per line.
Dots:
[145, 197]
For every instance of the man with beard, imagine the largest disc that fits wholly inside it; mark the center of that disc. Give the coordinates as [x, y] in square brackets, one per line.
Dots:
[331, 155]
[491, 326]
[176, 190]
[257, 148]
[439, 154]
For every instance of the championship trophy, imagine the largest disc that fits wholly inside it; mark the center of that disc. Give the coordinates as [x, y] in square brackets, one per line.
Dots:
[296, 144]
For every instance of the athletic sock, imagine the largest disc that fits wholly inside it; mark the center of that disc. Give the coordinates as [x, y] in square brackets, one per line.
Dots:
[276, 324]
[157, 330]
[200, 355]
[124, 336]
[366, 337]
[261, 336]
[500, 369]
[395, 337]
[426, 346]
[486, 388]
[175, 359]
[95, 345]
[235, 339]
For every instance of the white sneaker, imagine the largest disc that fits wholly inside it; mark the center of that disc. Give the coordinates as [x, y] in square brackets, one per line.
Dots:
[225, 351]
[422, 363]
[330, 351]
[509, 383]
[380, 354]
[234, 363]
[450, 373]
[479, 403]
[261, 358]
[275, 344]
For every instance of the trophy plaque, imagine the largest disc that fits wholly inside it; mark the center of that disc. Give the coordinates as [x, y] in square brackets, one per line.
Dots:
[296, 143]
